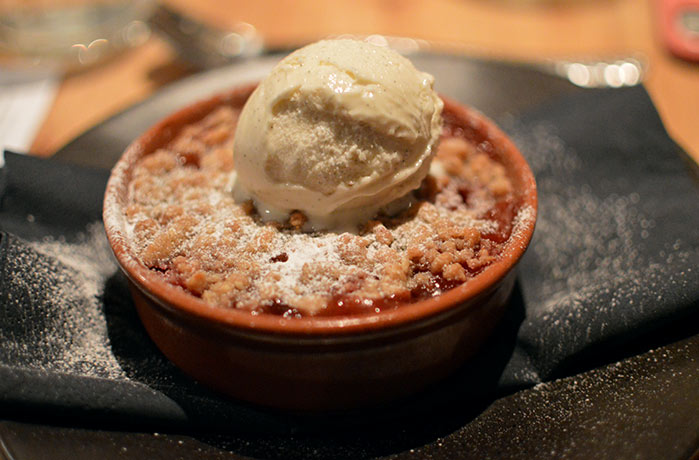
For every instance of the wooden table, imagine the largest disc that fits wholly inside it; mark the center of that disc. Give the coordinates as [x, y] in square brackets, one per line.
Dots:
[507, 29]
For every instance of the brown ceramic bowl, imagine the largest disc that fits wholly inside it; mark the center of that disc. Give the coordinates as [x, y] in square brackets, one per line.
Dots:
[319, 363]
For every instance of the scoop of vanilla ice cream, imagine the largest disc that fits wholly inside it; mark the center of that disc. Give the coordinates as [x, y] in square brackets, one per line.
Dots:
[338, 130]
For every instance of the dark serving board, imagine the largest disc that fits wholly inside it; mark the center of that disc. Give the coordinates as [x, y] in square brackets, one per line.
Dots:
[640, 400]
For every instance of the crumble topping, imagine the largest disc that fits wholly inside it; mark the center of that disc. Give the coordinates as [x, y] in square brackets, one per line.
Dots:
[183, 222]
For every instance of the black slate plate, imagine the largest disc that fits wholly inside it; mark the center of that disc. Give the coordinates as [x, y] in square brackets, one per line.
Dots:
[511, 88]
[614, 410]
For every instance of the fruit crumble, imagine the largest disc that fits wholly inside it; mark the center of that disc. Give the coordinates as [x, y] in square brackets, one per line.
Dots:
[183, 222]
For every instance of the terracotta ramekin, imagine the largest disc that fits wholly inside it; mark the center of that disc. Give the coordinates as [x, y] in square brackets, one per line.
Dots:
[330, 363]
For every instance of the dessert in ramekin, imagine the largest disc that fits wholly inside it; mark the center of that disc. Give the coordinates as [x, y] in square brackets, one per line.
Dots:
[277, 313]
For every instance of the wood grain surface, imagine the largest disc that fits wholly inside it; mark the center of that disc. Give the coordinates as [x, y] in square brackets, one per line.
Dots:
[508, 29]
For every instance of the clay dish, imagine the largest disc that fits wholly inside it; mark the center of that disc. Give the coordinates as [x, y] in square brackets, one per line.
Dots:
[326, 363]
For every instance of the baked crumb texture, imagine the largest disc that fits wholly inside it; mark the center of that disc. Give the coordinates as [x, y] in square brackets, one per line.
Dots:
[184, 225]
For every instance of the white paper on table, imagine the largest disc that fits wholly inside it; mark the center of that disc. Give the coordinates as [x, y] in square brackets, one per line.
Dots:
[24, 103]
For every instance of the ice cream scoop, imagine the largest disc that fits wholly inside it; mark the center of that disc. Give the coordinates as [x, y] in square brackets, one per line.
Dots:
[338, 130]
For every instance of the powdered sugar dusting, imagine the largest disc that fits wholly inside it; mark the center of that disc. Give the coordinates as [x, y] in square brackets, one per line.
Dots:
[523, 220]
[590, 252]
[637, 408]
[68, 330]
[302, 249]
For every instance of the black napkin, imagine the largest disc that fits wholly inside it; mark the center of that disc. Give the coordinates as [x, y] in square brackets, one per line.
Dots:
[612, 267]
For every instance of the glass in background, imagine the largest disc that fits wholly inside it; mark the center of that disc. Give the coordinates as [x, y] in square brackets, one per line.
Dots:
[67, 35]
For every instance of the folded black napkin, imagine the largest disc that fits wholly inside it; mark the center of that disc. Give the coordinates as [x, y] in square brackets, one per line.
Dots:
[612, 269]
